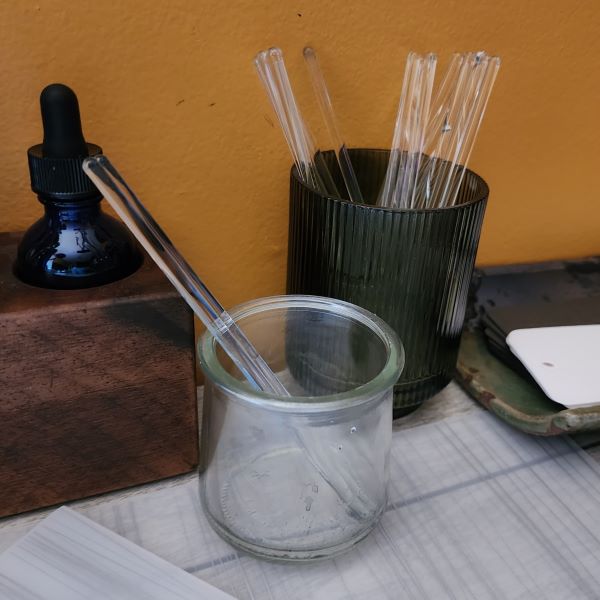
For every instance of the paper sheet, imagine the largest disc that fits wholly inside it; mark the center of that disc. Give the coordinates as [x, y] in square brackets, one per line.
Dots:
[69, 557]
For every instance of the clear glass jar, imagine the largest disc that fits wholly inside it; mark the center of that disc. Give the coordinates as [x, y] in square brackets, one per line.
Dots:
[301, 477]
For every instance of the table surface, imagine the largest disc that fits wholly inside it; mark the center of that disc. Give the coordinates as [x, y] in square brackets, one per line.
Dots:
[451, 401]
[129, 511]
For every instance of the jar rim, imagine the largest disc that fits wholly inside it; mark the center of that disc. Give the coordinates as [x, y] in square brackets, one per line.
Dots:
[482, 195]
[385, 378]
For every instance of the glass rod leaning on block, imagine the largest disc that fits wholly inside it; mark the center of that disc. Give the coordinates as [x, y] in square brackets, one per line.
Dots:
[206, 307]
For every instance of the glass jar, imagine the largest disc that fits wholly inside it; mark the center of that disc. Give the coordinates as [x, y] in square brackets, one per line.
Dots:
[300, 477]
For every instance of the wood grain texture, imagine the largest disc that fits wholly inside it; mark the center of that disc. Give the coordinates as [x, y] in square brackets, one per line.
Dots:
[97, 387]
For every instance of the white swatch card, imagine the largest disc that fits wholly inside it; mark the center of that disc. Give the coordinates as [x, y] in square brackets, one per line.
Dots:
[565, 361]
[69, 557]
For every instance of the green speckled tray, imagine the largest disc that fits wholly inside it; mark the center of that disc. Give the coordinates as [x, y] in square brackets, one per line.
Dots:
[512, 397]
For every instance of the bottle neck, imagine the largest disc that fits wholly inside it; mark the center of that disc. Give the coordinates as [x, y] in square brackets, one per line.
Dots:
[71, 209]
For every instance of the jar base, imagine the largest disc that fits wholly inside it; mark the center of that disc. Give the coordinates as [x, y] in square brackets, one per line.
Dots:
[289, 556]
[409, 395]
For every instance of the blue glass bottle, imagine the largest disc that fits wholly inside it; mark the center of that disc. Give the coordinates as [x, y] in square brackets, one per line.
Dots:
[75, 244]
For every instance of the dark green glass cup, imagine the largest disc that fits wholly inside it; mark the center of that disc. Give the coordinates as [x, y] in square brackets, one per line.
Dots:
[412, 268]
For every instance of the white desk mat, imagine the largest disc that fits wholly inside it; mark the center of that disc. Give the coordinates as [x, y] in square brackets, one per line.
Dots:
[477, 511]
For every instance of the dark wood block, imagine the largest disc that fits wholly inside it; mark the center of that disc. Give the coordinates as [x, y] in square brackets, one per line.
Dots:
[97, 387]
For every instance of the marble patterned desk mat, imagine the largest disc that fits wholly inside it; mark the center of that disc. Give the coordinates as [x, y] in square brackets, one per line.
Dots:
[477, 511]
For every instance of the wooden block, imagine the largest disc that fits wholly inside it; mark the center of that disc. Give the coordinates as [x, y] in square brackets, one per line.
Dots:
[97, 387]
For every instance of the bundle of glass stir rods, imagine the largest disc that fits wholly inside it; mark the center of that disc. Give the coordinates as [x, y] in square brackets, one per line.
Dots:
[433, 136]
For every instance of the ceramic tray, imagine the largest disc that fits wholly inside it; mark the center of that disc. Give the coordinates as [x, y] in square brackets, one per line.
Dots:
[513, 398]
[516, 398]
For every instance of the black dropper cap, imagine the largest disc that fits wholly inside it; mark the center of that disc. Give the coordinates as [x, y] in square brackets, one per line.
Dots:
[55, 166]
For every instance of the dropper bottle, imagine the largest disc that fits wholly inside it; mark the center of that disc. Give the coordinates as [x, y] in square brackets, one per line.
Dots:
[75, 244]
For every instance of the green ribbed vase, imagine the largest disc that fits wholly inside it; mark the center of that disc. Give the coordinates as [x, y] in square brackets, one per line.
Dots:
[410, 267]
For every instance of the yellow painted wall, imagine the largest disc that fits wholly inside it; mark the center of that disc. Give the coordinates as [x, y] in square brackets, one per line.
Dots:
[167, 88]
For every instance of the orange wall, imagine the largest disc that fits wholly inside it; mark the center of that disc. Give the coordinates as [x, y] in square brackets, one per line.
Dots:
[168, 89]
